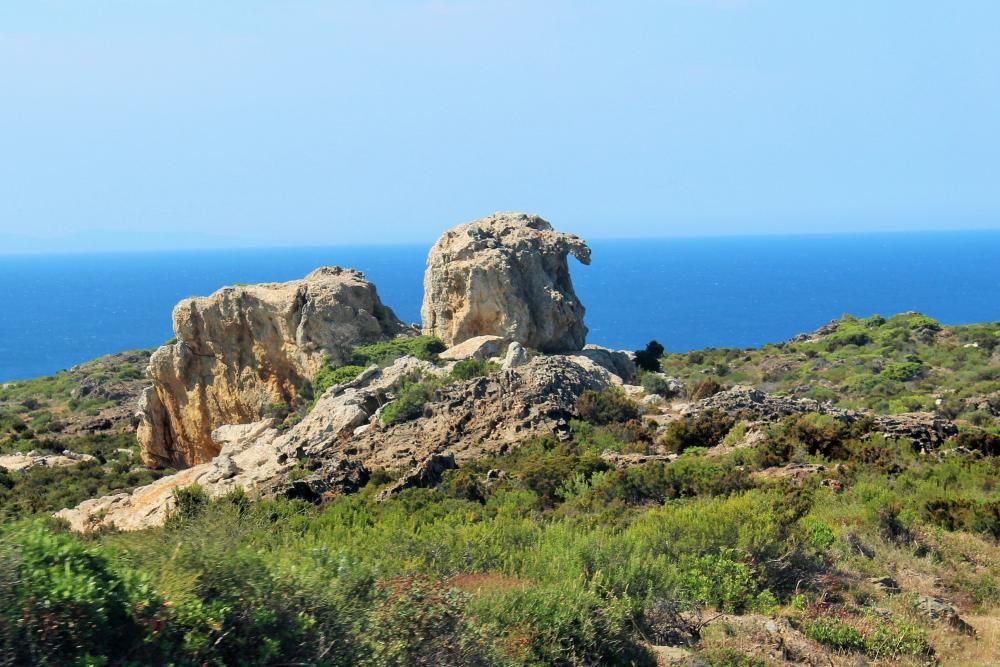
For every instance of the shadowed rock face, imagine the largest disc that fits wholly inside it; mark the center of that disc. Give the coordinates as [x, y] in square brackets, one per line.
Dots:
[505, 275]
[247, 347]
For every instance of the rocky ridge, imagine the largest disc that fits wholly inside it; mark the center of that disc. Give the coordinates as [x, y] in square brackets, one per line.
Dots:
[925, 429]
[334, 448]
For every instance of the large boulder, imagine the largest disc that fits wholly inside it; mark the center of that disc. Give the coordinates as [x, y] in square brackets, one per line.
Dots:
[505, 275]
[247, 347]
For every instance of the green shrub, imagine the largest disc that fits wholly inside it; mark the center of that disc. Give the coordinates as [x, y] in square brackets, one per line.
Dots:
[820, 434]
[648, 359]
[978, 440]
[66, 602]
[654, 383]
[606, 406]
[189, 502]
[385, 352]
[328, 376]
[410, 401]
[418, 622]
[902, 371]
[722, 580]
[473, 368]
[835, 634]
[561, 625]
[706, 429]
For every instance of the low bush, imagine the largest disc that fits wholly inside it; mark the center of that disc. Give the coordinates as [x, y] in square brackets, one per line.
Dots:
[655, 383]
[328, 376]
[606, 407]
[384, 353]
[819, 434]
[468, 369]
[704, 389]
[707, 429]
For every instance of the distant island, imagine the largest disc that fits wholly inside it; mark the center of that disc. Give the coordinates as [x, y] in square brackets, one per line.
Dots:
[299, 477]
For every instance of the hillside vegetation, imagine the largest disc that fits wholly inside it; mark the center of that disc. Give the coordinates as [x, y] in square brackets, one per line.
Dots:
[805, 540]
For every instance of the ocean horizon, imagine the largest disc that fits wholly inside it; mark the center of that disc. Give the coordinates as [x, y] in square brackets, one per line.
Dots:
[686, 292]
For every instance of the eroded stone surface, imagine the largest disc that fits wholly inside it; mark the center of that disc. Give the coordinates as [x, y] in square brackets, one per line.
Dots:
[247, 347]
[342, 438]
[505, 275]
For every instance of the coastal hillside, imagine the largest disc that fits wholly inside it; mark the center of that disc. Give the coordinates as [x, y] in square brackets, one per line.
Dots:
[314, 483]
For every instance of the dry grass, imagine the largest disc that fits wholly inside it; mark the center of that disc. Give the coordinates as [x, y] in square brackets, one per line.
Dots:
[956, 650]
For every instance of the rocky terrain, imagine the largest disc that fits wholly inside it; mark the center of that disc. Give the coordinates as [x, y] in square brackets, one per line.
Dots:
[498, 492]
[247, 347]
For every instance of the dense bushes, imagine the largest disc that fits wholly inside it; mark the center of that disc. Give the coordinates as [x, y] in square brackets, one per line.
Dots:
[606, 407]
[410, 400]
[384, 353]
[706, 429]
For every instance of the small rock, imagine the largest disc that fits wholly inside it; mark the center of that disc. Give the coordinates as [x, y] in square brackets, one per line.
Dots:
[833, 484]
[428, 473]
[939, 610]
[886, 584]
[479, 348]
[516, 356]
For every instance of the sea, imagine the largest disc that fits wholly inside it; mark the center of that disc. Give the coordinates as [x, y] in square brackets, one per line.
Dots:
[687, 293]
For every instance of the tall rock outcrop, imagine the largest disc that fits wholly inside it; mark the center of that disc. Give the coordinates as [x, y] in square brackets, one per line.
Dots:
[505, 275]
[247, 347]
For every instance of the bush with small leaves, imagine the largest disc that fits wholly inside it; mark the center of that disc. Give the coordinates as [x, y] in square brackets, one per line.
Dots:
[606, 407]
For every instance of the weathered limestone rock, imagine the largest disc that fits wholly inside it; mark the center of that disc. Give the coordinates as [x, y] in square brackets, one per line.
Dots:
[30, 460]
[619, 362]
[516, 356]
[247, 458]
[505, 275]
[480, 348]
[342, 437]
[246, 347]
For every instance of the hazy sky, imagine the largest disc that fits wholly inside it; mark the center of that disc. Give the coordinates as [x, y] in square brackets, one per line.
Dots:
[167, 124]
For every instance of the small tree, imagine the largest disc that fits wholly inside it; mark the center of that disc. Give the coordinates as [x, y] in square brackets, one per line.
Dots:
[649, 359]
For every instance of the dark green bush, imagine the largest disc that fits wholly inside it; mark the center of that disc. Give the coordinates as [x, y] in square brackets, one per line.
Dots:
[606, 406]
[835, 634]
[704, 430]
[820, 434]
[902, 371]
[420, 622]
[384, 353]
[648, 359]
[410, 401]
[654, 383]
[328, 376]
[978, 440]
[473, 368]
[65, 602]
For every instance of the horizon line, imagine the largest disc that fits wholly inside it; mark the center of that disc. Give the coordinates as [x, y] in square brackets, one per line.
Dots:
[410, 244]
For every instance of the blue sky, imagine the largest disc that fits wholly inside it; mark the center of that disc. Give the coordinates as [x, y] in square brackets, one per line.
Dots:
[184, 124]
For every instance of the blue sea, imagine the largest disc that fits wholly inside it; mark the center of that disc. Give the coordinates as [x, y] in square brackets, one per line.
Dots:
[688, 293]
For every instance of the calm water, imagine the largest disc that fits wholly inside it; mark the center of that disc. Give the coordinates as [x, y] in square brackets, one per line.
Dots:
[686, 293]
